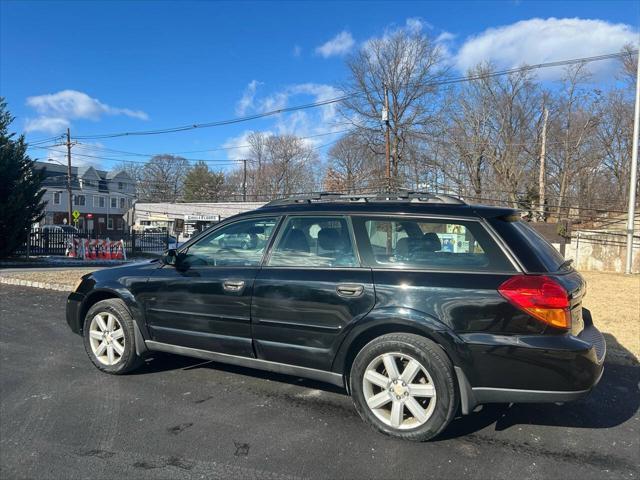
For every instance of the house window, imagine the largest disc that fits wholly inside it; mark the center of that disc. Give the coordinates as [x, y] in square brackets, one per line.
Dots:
[96, 200]
[122, 200]
[120, 186]
[109, 223]
[114, 202]
[56, 198]
[103, 202]
[79, 200]
[120, 224]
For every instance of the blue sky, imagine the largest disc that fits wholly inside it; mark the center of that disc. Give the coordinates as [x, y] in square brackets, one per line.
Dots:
[102, 67]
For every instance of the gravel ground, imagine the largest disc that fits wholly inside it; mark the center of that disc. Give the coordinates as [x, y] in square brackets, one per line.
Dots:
[62, 277]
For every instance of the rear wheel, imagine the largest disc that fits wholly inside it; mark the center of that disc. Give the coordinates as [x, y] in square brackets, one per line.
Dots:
[109, 337]
[403, 385]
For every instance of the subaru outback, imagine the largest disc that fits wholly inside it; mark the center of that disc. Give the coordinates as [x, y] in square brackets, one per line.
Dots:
[420, 305]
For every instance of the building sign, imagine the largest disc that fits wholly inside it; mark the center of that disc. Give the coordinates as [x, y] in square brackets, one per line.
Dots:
[201, 218]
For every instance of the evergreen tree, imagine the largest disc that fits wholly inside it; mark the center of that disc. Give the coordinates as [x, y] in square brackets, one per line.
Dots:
[20, 187]
[203, 185]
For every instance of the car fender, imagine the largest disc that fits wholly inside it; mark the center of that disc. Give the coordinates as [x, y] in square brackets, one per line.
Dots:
[394, 319]
[137, 311]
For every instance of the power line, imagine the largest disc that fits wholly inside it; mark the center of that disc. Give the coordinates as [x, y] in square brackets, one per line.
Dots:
[351, 95]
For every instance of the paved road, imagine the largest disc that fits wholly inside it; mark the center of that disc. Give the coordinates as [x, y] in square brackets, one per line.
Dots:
[181, 418]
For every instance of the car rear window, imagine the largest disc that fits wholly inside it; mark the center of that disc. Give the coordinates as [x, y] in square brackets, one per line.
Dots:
[433, 244]
[546, 253]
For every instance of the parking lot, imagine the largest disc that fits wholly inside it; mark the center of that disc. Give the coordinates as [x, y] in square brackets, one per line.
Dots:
[178, 417]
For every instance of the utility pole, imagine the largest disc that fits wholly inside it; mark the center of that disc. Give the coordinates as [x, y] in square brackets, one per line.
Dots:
[69, 175]
[543, 152]
[385, 119]
[633, 180]
[244, 180]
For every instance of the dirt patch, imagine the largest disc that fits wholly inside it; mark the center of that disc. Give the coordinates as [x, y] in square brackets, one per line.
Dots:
[614, 301]
[60, 277]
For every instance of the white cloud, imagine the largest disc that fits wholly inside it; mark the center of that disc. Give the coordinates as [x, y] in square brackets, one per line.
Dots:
[74, 104]
[246, 101]
[57, 109]
[445, 37]
[297, 50]
[542, 40]
[46, 124]
[341, 44]
[416, 25]
[303, 123]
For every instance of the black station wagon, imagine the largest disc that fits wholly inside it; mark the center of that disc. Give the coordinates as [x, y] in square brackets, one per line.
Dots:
[419, 305]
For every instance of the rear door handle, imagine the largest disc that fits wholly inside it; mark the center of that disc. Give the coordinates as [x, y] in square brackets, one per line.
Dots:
[350, 290]
[233, 285]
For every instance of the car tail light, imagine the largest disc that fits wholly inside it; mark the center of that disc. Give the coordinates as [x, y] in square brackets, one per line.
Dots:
[541, 297]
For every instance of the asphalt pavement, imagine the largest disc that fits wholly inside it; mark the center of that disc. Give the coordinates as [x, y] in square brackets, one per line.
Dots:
[183, 418]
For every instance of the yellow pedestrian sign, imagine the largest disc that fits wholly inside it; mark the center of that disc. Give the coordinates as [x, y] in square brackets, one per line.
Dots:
[75, 214]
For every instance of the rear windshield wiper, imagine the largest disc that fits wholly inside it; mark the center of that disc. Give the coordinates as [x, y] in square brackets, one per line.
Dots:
[565, 264]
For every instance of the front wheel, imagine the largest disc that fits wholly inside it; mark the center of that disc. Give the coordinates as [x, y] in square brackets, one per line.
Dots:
[403, 385]
[109, 337]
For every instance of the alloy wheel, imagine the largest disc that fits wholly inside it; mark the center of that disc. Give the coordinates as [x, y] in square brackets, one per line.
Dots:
[399, 390]
[106, 337]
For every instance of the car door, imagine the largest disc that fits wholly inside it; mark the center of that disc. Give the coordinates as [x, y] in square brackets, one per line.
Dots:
[204, 300]
[309, 290]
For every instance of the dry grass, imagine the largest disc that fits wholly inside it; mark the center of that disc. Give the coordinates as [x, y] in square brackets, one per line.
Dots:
[61, 277]
[614, 301]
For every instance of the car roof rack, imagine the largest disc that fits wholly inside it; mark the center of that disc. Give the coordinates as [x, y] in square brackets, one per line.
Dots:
[399, 196]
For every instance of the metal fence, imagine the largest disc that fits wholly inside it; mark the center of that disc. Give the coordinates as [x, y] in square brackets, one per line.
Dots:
[47, 242]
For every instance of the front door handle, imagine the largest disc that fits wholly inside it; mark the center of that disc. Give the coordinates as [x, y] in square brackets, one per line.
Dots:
[350, 290]
[233, 285]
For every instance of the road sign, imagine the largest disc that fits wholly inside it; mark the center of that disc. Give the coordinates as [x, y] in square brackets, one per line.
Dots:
[75, 215]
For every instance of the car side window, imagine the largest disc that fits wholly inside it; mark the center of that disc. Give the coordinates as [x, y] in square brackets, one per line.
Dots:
[314, 242]
[239, 244]
[430, 244]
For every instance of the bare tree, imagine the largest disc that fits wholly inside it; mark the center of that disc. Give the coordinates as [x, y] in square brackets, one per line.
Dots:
[406, 64]
[351, 166]
[277, 165]
[162, 178]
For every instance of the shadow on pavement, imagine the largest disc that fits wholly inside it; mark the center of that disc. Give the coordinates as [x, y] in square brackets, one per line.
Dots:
[614, 400]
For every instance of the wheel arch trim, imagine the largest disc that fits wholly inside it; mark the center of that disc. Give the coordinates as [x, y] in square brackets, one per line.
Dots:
[105, 293]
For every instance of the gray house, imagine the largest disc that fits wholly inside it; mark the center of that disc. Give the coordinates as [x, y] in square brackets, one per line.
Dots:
[102, 198]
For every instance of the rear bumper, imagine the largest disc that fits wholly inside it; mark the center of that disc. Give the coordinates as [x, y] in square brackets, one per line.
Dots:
[531, 369]
[73, 309]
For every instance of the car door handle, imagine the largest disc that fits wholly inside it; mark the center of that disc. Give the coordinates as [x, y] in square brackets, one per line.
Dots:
[233, 285]
[350, 290]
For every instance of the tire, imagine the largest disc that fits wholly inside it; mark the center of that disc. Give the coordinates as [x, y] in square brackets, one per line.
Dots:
[431, 390]
[123, 358]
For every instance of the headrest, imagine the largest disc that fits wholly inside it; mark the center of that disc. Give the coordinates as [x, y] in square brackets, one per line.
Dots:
[330, 239]
[432, 242]
[296, 241]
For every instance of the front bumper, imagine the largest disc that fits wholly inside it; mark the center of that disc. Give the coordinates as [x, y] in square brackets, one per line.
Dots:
[73, 311]
[531, 369]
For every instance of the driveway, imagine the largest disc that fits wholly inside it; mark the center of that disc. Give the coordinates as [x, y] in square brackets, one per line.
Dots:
[61, 418]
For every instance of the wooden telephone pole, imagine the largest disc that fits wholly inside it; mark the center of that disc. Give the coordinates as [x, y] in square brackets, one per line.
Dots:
[541, 176]
[244, 180]
[70, 199]
[385, 118]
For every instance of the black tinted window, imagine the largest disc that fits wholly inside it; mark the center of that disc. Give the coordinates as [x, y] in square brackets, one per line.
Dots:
[546, 253]
[314, 242]
[238, 244]
[430, 244]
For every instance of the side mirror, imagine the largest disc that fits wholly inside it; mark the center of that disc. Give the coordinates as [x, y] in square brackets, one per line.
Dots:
[169, 257]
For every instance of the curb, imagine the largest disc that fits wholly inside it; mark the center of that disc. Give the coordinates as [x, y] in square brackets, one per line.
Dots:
[29, 283]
